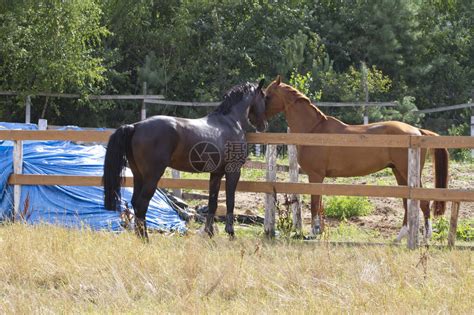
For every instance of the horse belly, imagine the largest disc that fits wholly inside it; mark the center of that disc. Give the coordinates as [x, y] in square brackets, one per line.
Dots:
[347, 162]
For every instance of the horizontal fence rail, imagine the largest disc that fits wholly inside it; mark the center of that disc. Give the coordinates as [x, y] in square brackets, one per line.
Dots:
[319, 104]
[129, 97]
[338, 140]
[341, 140]
[264, 187]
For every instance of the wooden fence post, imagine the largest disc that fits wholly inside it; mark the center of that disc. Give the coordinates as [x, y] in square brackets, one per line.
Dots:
[42, 124]
[365, 85]
[143, 110]
[472, 128]
[17, 169]
[177, 175]
[453, 224]
[294, 198]
[269, 221]
[28, 110]
[258, 149]
[414, 174]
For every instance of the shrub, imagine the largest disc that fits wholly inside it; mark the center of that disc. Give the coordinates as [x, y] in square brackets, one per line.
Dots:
[464, 232]
[440, 229]
[344, 207]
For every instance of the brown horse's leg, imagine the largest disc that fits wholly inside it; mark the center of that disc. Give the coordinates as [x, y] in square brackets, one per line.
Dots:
[425, 204]
[425, 207]
[402, 181]
[231, 180]
[317, 212]
[214, 185]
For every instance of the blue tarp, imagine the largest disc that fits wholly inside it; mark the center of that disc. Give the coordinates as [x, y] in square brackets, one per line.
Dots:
[71, 206]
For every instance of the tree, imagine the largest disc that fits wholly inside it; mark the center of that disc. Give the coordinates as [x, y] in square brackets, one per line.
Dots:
[49, 46]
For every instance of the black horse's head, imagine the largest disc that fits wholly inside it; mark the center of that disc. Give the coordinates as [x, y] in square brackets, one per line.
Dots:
[245, 101]
[257, 109]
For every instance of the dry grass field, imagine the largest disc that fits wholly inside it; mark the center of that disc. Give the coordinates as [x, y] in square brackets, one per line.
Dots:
[46, 269]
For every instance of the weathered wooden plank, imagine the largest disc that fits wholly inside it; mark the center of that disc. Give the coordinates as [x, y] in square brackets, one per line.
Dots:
[413, 205]
[42, 124]
[27, 110]
[442, 142]
[338, 140]
[472, 129]
[249, 186]
[445, 108]
[143, 109]
[465, 195]
[177, 103]
[176, 175]
[91, 97]
[85, 135]
[453, 224]
[265, 187]
[17, 169]
[269, 221]
[355, 104]
[294, 198]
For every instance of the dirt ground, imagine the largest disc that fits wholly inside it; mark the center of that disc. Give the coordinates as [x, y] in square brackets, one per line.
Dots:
[387, 217]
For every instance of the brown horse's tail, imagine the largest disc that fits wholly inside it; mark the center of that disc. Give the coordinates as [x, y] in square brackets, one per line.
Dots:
[441, 162]
[114, 163]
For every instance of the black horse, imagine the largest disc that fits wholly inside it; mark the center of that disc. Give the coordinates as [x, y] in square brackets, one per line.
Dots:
[214, 143]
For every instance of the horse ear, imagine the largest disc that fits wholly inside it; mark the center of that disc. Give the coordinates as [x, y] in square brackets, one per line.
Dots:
[278, 80]
[260, 84]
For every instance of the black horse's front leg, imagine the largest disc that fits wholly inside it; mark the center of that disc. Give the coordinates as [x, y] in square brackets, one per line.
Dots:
[232, 178]
[214, 185]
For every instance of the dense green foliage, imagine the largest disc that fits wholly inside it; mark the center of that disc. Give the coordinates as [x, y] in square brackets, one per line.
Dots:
[419, 53]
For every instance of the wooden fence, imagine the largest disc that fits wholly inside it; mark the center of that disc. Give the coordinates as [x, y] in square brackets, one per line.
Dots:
[412, 192]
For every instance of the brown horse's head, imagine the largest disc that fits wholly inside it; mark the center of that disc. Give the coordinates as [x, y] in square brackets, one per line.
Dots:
[257, 109]
[274, 98]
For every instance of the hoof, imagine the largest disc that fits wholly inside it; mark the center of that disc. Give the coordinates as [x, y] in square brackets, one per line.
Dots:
[428, 230]
[210, 231]
[316, 230]
[230, 230]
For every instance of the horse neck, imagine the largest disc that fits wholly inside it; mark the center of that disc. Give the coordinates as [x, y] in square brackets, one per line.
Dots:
[240, 111]
[303, 117]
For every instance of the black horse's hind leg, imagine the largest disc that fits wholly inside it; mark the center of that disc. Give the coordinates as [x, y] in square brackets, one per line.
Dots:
[137, 181]
[214, 185]
[143, 200]
[231, 180]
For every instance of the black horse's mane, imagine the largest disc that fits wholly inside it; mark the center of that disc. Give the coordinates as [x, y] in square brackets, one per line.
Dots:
[234, 96]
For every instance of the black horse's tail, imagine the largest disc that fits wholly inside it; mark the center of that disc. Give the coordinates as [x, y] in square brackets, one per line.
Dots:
[115, 161]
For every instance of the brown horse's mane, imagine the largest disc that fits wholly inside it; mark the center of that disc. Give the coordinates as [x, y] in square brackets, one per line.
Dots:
[234, 96]
[298, 96]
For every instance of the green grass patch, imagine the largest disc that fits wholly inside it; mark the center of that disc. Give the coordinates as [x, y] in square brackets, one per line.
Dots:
[349, 232]
[345, 207]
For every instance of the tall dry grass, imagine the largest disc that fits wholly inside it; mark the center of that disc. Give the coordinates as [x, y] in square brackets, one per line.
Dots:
[52, 270]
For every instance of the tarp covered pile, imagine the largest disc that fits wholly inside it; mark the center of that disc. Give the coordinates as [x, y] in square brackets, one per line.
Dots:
[71, 206]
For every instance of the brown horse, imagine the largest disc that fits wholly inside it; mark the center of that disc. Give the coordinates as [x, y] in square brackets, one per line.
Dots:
[214, 143]
[319, 162]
